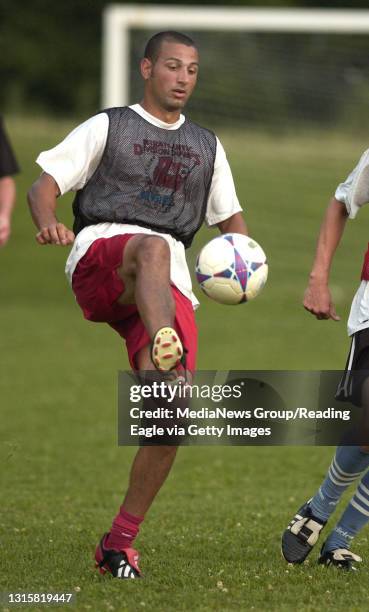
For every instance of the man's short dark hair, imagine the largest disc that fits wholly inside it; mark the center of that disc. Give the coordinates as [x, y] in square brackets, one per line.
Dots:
[152, 48]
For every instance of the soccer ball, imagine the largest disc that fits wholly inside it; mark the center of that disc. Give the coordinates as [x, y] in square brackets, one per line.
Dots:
[232, 269]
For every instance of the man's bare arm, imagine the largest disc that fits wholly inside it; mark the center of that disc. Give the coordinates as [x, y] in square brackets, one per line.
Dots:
[42, 202]
[317, 299]
[7, 199]
[235, 224]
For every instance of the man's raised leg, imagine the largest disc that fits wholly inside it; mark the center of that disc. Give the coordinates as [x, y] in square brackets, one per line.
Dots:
[145, 272]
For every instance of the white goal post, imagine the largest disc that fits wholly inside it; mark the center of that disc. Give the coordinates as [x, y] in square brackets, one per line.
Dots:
[118, 20]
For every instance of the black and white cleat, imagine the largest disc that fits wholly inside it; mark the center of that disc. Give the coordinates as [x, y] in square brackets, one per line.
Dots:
[301, 535]
[121, 564]
[339, 557]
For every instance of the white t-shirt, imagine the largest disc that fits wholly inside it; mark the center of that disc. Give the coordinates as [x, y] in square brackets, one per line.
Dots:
[354, 193]
[72, 163]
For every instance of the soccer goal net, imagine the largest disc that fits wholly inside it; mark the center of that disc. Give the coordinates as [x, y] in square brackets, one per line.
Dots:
[275, 69]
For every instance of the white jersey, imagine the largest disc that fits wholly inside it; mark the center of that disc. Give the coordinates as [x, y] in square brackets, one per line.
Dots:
[72, 163]
[354, 193]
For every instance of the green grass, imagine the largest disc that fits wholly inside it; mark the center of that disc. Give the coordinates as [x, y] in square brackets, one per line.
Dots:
[211, 540]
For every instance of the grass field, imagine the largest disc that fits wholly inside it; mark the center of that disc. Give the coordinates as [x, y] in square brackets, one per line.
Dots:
[211, 540]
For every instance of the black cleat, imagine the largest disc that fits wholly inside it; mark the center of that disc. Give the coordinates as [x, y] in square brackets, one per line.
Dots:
[301, 535]
[121, 564]
[340, 557]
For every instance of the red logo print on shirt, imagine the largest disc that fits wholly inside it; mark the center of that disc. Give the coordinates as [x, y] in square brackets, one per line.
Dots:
[169, 173]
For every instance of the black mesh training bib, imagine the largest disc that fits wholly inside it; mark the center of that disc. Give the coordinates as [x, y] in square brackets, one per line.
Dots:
[149, 176]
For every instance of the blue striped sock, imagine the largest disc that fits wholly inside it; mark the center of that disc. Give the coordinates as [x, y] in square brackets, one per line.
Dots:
[354, 518]
[347, 465]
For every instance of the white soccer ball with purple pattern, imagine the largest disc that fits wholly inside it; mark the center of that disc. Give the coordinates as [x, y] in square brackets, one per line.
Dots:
[232, 269]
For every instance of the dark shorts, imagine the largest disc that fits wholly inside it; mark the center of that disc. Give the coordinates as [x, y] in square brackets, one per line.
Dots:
[356, 370]
[97, 286]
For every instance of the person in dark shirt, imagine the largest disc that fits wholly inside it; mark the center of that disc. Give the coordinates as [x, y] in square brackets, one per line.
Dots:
[8, 167]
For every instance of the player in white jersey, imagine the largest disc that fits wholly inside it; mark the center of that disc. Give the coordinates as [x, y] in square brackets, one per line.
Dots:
[351, 460]
[146, 178]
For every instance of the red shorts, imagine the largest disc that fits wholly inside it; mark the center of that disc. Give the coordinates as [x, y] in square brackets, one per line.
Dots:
[97, 287]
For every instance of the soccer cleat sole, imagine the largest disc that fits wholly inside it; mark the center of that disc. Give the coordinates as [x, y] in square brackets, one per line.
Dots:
[166, 350]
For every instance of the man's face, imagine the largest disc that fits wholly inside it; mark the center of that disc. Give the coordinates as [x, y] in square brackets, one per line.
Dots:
[170, 80]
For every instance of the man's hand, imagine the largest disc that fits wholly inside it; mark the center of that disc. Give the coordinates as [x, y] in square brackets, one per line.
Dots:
[55, 233]
[318, 301]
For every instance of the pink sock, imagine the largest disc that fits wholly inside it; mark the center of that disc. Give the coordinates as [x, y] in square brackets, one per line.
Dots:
[124, 529]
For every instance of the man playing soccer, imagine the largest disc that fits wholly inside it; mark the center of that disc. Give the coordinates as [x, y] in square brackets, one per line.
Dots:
[350, 462]
[146, 179]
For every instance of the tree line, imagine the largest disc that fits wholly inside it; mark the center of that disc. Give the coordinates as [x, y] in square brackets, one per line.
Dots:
[50, 52]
